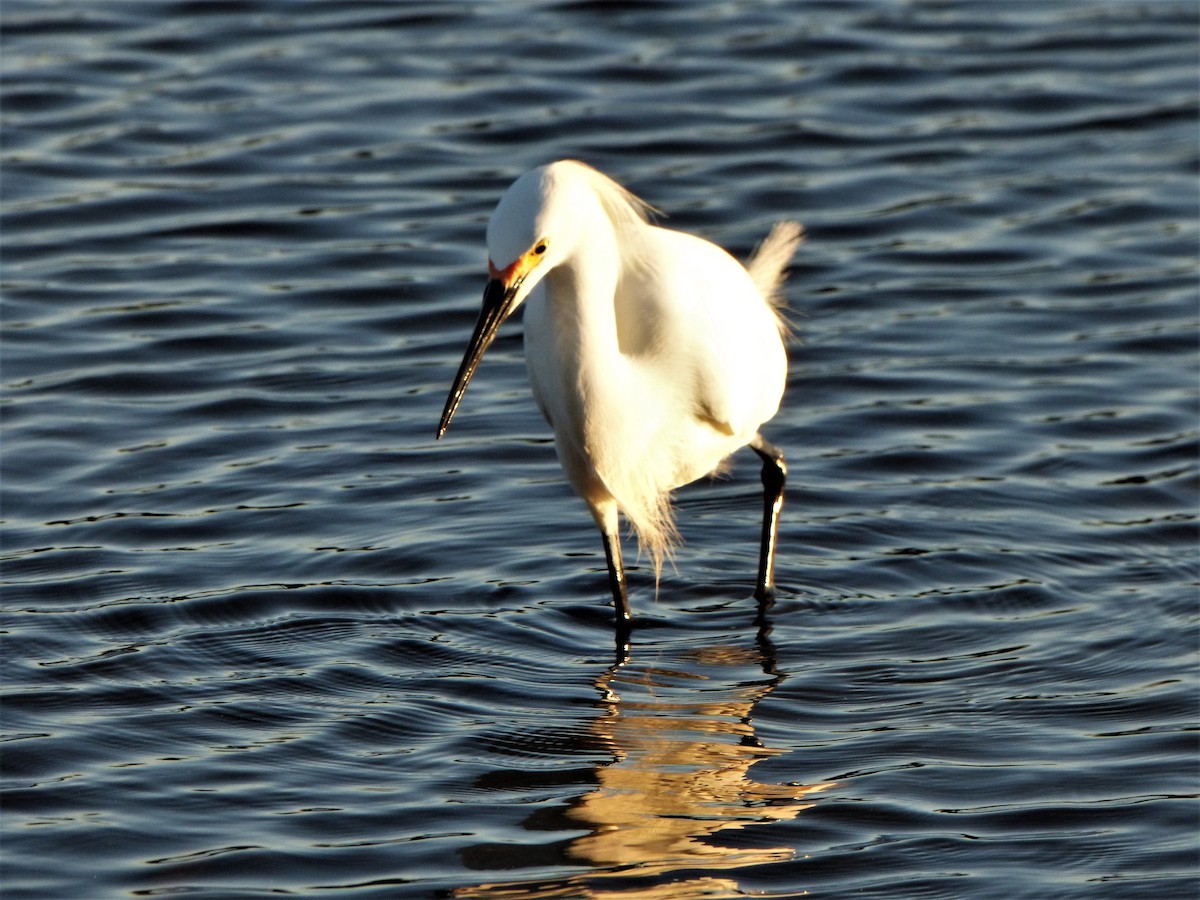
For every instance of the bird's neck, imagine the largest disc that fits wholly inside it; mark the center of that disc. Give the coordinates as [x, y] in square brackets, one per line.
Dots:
[598, 378]
[582, 295]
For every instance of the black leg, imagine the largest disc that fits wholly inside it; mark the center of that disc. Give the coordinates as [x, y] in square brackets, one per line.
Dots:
[616, 581]
[774, 474]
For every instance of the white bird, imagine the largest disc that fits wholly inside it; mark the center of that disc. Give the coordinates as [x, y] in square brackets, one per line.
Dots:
[653, 354]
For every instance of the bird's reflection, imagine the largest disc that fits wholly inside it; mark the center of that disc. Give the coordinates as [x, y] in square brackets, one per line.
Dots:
[679, 728]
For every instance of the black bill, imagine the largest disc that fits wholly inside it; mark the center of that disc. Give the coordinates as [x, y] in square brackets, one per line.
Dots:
[498, 304]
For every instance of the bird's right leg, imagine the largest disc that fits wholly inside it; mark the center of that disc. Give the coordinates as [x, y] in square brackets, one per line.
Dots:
[616, 581]
[774, 475]
[606, 517]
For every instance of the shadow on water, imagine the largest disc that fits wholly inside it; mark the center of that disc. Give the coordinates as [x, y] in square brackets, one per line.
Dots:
[678, 724]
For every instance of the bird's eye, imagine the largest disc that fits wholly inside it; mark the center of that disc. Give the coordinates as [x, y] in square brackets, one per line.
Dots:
[539, 248]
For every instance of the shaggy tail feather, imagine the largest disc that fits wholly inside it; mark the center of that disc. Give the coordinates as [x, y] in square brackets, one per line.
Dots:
[768, 264]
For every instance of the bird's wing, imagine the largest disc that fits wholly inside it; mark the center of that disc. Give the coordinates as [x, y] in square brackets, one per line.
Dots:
[720, 342]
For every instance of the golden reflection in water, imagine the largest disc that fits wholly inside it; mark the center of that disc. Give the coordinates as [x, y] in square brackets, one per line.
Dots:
[682, 741]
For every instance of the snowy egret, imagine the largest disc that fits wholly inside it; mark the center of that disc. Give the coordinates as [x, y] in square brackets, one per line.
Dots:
[652, 354]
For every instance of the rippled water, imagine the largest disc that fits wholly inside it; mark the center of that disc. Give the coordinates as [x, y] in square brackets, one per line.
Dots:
[264, 636]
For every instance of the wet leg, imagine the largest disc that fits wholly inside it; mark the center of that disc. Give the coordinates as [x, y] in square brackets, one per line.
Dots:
[774, 475]
[616, 582]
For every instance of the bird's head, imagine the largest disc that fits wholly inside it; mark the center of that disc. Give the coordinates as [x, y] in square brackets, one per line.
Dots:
[521, 250]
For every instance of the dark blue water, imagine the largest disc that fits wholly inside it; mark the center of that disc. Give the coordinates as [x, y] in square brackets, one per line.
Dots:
[264, 636]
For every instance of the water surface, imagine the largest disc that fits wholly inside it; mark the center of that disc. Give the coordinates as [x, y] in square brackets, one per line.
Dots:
[265, 636]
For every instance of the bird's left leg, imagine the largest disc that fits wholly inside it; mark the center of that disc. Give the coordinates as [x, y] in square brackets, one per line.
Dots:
[774, 475]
